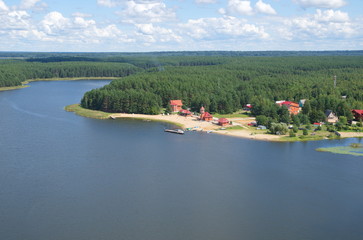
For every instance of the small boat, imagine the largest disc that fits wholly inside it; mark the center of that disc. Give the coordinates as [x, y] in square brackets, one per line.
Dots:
[177, 131]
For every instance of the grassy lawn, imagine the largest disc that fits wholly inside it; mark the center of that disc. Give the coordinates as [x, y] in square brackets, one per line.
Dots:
[233, 115]
[235, 128]
[76, 108]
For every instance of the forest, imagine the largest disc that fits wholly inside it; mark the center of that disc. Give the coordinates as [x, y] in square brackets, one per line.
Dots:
[223, 82]
[226, 84]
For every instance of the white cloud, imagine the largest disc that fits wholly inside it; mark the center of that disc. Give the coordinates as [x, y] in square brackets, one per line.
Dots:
[54, 22]
[262, 7]
[146, 11]
[32, 4]
[151, 33]
[237, 7]
[327, 24]
[3, 7]
[331, 16]
[205, 1]
[27, 4]
[108, 3]
[215, 28]
[321, 3]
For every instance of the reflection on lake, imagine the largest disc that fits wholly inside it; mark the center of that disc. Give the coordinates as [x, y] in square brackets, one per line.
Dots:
[67, 177]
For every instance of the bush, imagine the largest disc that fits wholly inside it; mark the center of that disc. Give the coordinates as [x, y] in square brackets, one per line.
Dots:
[295, 129]
[305, 132]
[292, 133]
[278, 128]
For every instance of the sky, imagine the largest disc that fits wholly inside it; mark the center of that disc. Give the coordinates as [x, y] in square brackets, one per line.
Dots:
[180, 25]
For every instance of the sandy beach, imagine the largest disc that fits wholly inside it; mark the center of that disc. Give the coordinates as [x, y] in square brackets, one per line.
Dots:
[195, 124]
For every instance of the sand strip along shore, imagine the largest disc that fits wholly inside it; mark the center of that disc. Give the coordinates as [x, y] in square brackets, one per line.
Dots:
[195, 124]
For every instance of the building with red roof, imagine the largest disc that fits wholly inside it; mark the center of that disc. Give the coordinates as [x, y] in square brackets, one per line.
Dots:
[358, 114]
[185, 113]
[206, 116]
[176, 105]
[223, 122]
[293, 107]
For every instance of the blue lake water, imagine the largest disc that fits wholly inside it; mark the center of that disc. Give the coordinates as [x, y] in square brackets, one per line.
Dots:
[63, 176]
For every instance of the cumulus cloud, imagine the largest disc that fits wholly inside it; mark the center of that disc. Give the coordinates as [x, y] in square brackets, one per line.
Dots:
[265, 8]
[237, 7]
[321, 3]
[242, 7]
[205, 28]
[54, 22]
[32, 4]
[331, 16]
[327, 24]
[151, 33]
[3, 7]
[146, 11]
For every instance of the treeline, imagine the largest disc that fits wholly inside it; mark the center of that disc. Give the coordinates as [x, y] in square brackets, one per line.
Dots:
[13, 72]
[236, 81]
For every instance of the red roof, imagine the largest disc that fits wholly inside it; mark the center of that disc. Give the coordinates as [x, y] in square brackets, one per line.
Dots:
[185, 111]
[360, 112]
[176, 103]
[207, 115]
[288, 103]
[223, 120]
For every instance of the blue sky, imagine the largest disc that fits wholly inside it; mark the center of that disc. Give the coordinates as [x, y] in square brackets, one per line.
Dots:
[180, 25]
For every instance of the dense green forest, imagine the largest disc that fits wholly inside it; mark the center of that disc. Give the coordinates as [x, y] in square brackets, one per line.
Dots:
[226, 84]
[13, 72]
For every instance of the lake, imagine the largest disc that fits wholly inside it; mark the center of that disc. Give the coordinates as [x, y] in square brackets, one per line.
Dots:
[63, 176]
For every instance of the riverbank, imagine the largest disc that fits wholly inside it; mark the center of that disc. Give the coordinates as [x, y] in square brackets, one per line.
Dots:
[25, 83]
[191, 123]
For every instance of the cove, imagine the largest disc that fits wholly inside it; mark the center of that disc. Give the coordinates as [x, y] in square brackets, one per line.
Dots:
[63, 176]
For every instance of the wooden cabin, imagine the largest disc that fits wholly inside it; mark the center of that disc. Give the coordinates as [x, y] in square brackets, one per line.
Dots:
[223, 122]
[176, 105]
[330, 117]
[206, 116]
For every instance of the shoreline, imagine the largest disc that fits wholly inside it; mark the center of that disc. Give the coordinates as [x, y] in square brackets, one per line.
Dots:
[26, 82]
[195, 125]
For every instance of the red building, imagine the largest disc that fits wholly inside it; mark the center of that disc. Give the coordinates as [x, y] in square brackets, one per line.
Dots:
[223, 122]
[185, 113]
[293, 107]
[358, 114]
[206, 116]
[176, 105]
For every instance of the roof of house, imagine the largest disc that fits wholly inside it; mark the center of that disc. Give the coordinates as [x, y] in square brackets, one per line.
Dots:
[185, 111]
[289, 103]
[223, 120]
[207, 115]
[176, 102]
[328, 112]
[360, 112]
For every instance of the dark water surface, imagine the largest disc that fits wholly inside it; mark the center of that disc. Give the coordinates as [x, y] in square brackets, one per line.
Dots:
[67, 177]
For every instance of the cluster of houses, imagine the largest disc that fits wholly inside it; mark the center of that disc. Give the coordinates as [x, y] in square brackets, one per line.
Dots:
[293, 108]
[176, 106]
